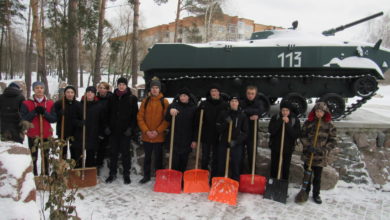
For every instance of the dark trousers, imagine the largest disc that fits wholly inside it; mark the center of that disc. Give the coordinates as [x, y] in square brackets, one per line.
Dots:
[34, 156]
[248, 152]
[235, 161]
[286, 161]
[158, 157]
[179, 161]
[316, 174]
[101, 151]
[91, 158]
[208, 149]
[120, 143]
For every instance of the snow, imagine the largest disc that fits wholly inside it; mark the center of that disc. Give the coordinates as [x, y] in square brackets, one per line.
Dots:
[355, 62]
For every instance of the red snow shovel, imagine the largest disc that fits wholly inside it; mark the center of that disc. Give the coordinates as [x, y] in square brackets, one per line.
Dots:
[224, 189]
[251, 183]
[168, 180]
[276, 189]
[197, 180]
[85, 176]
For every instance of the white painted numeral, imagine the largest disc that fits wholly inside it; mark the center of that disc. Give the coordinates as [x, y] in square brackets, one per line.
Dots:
[292, 59]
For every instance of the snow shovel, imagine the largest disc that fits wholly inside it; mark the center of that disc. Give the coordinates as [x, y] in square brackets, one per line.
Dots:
[168, 180]
[224, 189]
[276, 189]
[302, 196]
[197, 180]
[85, 176]
[251, 183]
[42, 180]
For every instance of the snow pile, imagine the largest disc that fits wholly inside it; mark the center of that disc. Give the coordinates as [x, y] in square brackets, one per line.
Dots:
[17, 186]
[355, 62]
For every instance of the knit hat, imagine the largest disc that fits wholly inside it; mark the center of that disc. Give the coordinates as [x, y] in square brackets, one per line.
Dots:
[91, 89]
[286, 104]
[321, 106]
[215, 86]
[184, 91]
[70, 87]
[155, 82]
[122, 80]
[38, 83]
[14, 85]
[234, 96]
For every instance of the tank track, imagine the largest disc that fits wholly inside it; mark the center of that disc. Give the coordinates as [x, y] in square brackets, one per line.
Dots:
[349, 109]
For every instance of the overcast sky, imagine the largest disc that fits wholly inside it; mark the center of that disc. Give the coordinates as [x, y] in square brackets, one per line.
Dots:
[313, 15]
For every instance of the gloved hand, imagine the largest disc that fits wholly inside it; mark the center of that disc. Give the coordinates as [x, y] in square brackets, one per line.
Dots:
[232, 144]
[40, 110]
[128, 132]
[107, 131]
[228, 119]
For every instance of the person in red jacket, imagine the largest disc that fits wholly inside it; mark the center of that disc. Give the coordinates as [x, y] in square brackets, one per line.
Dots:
[31, 111]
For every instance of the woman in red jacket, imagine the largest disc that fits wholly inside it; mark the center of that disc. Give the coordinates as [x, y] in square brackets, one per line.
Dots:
[31, 110]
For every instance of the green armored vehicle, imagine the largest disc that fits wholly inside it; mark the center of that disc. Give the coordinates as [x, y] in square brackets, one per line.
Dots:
[286, 64]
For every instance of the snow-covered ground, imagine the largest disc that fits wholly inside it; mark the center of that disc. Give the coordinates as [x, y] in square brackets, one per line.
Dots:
[134, 201]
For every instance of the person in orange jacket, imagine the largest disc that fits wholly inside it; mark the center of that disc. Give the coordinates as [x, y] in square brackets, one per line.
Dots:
[152, 124]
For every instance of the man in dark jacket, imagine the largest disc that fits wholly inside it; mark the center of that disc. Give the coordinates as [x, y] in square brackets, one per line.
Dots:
[68, 113]
[10, 119]
[213, 107]
[291, 133]
[239, 133]
[253, 109]
[184, 109]
[94, 120]
[122, 113]
[104, 94]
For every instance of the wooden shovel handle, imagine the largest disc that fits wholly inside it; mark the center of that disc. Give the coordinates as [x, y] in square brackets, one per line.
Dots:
[43, 169]
[171, 141]
[228, 149]
[254, 150]
[281, 150]
[314, 143]
[199, 139]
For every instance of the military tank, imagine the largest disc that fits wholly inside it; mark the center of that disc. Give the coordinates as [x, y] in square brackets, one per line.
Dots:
[287, 64]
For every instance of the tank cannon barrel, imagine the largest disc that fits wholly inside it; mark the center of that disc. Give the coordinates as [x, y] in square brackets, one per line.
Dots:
[332, 31]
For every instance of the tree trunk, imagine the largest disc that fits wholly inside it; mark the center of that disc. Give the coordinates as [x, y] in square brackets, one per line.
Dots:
[97, 77]
[72, 44]
[29, 44]
[41, 52]
[134, 51]
[80, 60]
[1, 51]
[177, 19]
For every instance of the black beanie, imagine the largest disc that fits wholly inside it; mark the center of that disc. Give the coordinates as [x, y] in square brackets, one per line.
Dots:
[215, 86]
[91, 89]
[184, 91]
[70, 87]
[122, 80]
[286, 104]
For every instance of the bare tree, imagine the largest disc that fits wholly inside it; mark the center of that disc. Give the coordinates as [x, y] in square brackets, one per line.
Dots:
[72, 43]
[97, 77]
[29, 48]
[134, 42]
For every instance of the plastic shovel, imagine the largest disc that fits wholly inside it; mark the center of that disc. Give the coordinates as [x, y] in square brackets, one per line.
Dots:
[197, 180]
[224, 189]
[85, 176]
[276, 189]
[168, 180]
[251, 183]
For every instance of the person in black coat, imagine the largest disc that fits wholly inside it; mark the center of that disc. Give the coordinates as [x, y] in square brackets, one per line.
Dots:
[213, 106]
[122, 114]
[94, 119]
[10, 119]
[184, 108]
[238, 136]
[72, 108]
[253, 109]
[104, 94]
[292, 132]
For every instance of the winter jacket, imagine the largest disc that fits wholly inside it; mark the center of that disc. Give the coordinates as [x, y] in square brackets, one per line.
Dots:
[212, 109]
[185, 125]
[72, 109]
[250, 108]
[291, 133]
[239, 127]
[122, 112]
[28, 113]
[152, 117]
[94, 120]
[10, 103]
[326, 139]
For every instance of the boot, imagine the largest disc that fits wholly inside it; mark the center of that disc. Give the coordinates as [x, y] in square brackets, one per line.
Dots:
[110, 179]
[317, 199]
[126, 180]
[144, 180]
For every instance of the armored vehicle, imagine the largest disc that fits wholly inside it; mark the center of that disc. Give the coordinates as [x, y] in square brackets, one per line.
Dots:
[287, 64]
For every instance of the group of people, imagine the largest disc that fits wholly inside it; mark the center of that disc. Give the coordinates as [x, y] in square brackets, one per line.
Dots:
[110, 120]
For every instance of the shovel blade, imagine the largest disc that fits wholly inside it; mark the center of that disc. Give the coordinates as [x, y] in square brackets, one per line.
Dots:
[196, 181]
[224, 190]
[82, 177]
[168, 181]
[276, 190]
[41, 183]
[257, 187]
